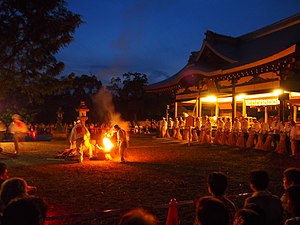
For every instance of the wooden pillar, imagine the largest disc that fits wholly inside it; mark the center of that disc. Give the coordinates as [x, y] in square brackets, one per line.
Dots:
[167, 112]
[217, 108]
[197, 107]
[244, 112]
[281, 110]
[295, 113]
[200, 107]
[266, 114]
[233, 108]
[175, 110]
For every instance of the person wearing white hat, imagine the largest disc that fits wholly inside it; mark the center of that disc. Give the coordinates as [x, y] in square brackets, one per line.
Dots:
[81, 136]
[19, 130]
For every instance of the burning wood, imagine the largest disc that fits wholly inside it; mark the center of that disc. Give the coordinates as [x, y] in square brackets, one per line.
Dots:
[106, 150]
[103, 152]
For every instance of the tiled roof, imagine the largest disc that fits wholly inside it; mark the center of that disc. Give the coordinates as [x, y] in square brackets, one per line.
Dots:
[237, 51]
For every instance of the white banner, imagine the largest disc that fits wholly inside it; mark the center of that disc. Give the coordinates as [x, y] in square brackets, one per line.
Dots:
[262, 102]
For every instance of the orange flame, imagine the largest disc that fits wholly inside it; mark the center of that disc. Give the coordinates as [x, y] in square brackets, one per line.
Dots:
[107, 144]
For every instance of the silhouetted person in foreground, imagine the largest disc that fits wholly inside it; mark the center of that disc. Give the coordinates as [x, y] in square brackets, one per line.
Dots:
[211, 211]
[246, 217]
[290, 177]
[138, 217]
[217, 185]
[293, 196]
[269, 203]
[25, 211]
[13, 188]
[3, 172]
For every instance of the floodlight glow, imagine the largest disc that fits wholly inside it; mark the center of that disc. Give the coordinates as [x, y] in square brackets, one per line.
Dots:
[210, 99]
[277, 92]
[240, 97]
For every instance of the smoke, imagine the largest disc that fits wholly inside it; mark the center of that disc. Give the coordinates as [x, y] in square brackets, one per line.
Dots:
[105, 108]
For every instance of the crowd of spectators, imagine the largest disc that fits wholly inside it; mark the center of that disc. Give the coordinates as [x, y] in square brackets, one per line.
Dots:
[260, 208]
[18, 203]
[20, 206]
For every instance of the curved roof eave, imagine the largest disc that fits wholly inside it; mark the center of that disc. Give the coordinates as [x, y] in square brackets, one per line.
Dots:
[281, 54]
[206, 44]
[280, 25]
[173, 81]
[194, 70]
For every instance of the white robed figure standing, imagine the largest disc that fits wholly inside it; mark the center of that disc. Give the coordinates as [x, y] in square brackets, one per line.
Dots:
[81, 136]
[19, 130]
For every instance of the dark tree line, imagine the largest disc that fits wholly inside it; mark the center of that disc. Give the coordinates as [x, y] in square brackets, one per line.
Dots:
[131, 99]
[128, 98]
[31, 33]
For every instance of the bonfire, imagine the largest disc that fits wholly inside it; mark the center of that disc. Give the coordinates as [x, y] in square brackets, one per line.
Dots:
[104, 152]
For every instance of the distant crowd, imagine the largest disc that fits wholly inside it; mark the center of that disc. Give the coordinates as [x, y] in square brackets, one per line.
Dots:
[20, 206]
[271, 135]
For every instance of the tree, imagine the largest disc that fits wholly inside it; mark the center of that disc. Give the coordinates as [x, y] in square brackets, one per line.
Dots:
[31, 33]
[75, 89]
[129, 94]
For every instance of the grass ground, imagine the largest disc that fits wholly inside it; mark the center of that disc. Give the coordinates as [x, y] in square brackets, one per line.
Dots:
[97, 192]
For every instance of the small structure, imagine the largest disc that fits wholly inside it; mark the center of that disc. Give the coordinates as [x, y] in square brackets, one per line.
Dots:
[59, 131]
[82, 110]
[59, 126]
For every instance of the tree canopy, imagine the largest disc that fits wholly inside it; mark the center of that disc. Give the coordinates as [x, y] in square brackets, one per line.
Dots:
[31, 33]
[131, 99]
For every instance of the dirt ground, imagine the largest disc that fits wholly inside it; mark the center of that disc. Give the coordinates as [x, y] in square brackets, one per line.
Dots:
[97, 192]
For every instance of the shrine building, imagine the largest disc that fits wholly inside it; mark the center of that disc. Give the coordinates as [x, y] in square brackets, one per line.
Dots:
[253, 75]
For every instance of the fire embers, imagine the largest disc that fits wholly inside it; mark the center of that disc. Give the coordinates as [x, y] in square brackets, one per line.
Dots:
[107, 144]
[106, 151]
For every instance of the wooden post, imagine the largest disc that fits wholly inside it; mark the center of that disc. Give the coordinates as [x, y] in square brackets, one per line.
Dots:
[244, 108]
[266, 114]
[200, 107]
[217, 108]
[233, 113]
[295, 113]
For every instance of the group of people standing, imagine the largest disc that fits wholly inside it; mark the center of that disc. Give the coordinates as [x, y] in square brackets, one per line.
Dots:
[179, 129]
[242, 132]
[269, 136]
[80, 138]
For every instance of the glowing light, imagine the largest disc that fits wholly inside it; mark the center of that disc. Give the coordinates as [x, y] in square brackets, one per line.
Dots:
[185, 114]
[226, 99]
[33, 134]
[108, 157]
[108, 145]
[278, 92]
[240, 97]
[209, 99]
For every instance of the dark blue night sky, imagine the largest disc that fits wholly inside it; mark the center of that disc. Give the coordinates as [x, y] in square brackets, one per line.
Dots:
[156, 37]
